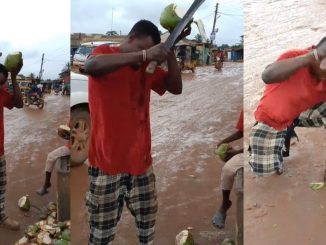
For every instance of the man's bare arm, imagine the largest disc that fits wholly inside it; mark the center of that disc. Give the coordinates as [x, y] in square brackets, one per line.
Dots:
[98, 65]
[173, 82]
[17, 95]
[281, 70]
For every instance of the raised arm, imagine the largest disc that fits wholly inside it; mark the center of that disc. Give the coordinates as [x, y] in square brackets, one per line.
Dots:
[17, 95]
[97, 65]
[283, 69]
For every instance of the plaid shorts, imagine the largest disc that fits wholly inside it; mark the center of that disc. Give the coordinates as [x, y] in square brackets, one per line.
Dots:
[315, 117]
[3, 182]
[105, 200]
[267, 143]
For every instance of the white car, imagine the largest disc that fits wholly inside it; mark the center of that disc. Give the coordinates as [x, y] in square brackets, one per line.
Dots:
[80, 120]
[84, 50]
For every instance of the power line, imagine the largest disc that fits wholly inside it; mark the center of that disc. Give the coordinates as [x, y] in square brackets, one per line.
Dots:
[230, 14]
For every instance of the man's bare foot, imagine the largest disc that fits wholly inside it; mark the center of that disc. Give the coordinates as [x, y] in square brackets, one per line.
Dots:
[43, 190]
[10, 224]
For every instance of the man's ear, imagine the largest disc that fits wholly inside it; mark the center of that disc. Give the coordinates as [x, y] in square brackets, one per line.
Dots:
[323, 64]
[131, 38]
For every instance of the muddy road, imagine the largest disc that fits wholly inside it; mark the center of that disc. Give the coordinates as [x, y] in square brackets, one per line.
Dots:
[283, 209]
[185, 130]
[30, 134]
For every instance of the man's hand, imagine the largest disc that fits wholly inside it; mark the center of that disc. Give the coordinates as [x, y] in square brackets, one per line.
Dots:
[219, 144]
[17, 99]
[186, 32]
[321, 51]
[231, 153]
[15, 72]
[157, 53]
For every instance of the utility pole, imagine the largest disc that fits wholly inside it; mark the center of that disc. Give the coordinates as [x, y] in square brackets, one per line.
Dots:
[213, 30]
[112, 21]
[41, 70]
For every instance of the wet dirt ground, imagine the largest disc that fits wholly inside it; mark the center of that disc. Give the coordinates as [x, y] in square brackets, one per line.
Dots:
[30, 134]
[283, 209]
[185, 130]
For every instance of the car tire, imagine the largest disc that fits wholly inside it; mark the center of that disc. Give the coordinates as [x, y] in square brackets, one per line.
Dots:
[80, 134]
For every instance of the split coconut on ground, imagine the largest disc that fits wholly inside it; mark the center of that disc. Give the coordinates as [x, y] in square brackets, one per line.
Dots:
[46, 231]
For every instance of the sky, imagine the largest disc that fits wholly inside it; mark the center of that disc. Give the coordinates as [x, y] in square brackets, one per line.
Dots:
[96, 16]
[35, 27]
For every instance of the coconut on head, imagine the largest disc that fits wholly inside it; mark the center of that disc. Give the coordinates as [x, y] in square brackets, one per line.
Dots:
[13, 60]
[171, 16]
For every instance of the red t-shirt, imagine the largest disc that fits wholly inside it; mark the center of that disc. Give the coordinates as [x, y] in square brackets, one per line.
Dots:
[240, 122]
[119, 108]
[284, 101]
[5, 101]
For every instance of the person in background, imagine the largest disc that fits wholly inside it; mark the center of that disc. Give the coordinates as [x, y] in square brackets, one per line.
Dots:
[63, 132]
[7, 100]
[234, 161]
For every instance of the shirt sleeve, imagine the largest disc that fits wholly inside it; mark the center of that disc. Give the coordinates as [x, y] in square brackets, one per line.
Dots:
[240, 122]
[104, 49]
[158, 81]
[7, 99]
[293, 53]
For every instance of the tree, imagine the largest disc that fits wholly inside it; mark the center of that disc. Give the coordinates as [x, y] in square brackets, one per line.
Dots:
[66, 67]
[32, 76]
[224, 46]
[199, 38]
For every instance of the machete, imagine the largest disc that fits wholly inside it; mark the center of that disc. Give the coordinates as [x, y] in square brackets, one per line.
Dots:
[177, 31]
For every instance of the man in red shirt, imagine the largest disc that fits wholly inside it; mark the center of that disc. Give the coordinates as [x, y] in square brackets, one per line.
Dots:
[234, 161]
[9, 101]
[295, 89]
[120, 147]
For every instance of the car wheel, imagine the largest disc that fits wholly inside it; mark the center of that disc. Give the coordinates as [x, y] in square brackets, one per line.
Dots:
[80, 135]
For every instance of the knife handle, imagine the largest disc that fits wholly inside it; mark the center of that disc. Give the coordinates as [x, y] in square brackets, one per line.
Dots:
[151, 67]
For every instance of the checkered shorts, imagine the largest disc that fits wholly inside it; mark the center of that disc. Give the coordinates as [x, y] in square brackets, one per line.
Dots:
[266, 146]
[315, 117]
[267, 143]
[105, 200]
[2, 188]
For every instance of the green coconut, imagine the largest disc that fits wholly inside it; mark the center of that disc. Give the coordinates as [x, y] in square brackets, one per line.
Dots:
[171, 16]
[317, 186]
[12, 61]
[184, 238]
[228, 241]
[24, 203]
[31, 231]
[66, 235]
[61, 242]
[221, 151]
[52, 206]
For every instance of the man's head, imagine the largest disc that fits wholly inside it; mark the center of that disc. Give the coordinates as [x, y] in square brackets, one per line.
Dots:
[318, 67]
[143, 35]
[3, 74]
